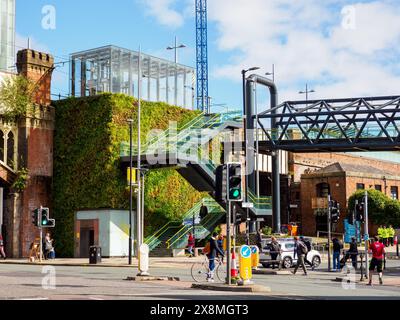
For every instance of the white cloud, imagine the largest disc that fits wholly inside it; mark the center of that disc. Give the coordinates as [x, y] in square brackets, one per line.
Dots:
[164, 12]
[306, 41]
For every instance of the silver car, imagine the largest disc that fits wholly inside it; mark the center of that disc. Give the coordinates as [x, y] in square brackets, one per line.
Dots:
[287, 255]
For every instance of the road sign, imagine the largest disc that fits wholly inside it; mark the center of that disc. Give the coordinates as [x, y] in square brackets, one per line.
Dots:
[245, 263]
[255, 257]
[247, 205]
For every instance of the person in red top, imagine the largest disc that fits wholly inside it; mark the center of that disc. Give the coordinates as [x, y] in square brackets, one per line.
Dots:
[191, 244]
[378, 250]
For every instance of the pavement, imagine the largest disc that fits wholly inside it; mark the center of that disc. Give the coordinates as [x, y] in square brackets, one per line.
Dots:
[167, 262]
[96, 282]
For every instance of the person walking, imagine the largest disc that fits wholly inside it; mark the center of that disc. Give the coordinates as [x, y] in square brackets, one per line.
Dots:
[385, 236]
[380, 232]
[308, 245]
[352, 252]
[49, 252]
[191, 244]
[220, 242]
[3, 254]
[392, 233]
[259, 239]
[378, 251]
[214, 250]
[300, 250]
[275, 251]
[337, 247]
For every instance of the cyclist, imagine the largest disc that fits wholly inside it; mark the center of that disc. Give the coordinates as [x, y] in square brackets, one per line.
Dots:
[214, 250]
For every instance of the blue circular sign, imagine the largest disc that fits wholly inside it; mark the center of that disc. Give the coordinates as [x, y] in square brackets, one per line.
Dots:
[245, 251]
[254, 249]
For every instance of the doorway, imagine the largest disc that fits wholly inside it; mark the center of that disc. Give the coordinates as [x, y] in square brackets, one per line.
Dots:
[86, 240]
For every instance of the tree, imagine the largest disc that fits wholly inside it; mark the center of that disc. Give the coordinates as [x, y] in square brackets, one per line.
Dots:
[392, 213]
[16, 97]
[381, 208]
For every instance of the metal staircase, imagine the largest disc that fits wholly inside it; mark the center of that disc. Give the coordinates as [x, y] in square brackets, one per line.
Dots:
[174, 234]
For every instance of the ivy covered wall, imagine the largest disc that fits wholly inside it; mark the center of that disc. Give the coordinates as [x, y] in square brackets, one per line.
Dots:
[87, 172]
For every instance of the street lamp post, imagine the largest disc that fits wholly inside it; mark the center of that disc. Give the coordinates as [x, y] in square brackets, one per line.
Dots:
[272, 73]
[138, 202]
[130, 121]
[306, 92]
[176, 47]
[244, 71]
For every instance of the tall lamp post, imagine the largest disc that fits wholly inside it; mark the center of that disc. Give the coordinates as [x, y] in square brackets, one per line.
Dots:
[307, 91]
[130, 121]
[176, 47]
[244, 71]
[138, 202]
[272, 73]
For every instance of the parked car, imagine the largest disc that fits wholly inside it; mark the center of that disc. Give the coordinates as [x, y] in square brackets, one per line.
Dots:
[287, 247]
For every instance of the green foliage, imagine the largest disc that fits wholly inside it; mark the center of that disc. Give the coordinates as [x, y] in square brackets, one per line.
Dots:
[87, 171]
[19, 184]
[16, 96]
[267, 231]
[392, 213]
[381, 208]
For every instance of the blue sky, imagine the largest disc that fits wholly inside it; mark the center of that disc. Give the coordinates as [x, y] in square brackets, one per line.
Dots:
[339, 47]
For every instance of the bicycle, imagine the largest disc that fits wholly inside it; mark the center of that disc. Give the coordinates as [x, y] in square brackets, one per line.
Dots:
[200, 270]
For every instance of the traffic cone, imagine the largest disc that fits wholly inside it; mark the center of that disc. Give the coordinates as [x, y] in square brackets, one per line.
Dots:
[234, 271]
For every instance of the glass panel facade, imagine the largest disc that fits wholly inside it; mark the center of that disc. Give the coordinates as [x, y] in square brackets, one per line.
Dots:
[114, 69]
[7, 35]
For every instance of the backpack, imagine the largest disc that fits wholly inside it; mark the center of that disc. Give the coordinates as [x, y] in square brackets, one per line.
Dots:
[207, 248]
[308, 245]
[303, 247]
[275, 247]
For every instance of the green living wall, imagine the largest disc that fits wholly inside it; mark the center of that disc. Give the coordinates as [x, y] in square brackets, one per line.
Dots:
[87, 172]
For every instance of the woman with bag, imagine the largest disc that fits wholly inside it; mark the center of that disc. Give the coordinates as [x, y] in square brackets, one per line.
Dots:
[3, 254]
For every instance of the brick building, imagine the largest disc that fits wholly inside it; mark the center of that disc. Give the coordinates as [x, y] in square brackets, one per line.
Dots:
[339, 175]
[27, 144]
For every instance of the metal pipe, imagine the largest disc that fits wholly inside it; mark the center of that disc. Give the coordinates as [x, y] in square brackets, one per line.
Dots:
[130, 121]
[329, 232]
[250, 83]
[366, 236]
[139, 207]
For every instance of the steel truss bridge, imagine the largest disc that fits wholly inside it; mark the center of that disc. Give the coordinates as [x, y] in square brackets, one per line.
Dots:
[334, 125]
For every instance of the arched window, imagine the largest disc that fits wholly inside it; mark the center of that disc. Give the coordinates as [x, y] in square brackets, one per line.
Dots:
[2, 146]
[322, 190]
[10, 149]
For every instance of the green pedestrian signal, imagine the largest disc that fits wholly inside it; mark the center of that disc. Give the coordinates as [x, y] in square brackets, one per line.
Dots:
[234, 181]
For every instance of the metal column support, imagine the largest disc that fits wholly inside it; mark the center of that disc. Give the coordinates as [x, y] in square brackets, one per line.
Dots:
[83, 78]
[149, 80]
[158, 81]
[250, 101]
[184, 89]
[167, 84]
[73, 66]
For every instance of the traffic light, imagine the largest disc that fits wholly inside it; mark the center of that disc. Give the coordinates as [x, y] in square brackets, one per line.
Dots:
[335, 211]
[45, 221]
[360, 212]
[234, 181]
[220, 183]
[35, 217]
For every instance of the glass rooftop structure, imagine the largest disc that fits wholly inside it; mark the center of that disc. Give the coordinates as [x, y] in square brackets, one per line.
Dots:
[114, 69]
[7, 35]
